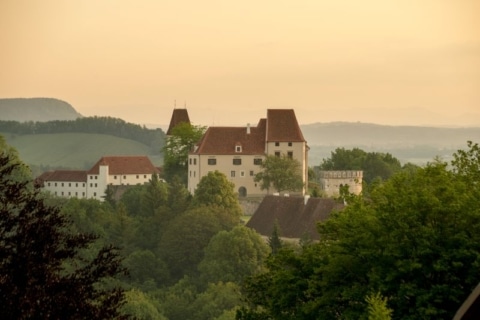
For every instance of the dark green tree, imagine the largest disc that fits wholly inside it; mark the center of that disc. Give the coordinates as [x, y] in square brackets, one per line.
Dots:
[280, 173]
[274, 240]
[40, 264]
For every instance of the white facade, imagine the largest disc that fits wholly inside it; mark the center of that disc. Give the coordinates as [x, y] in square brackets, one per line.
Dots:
[92, 184]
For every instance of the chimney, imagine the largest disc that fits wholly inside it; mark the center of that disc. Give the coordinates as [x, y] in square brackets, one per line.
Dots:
[248, 128]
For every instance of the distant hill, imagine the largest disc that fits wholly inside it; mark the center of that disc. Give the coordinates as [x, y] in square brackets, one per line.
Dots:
[36, 109]
[77, 144]
[408, 143]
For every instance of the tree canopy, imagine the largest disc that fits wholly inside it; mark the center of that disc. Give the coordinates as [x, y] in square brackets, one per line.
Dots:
[41, 262]
[413, 245]
[373, 164]
[282, 173]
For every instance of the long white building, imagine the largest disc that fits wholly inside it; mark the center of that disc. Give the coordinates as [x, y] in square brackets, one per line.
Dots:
[110, 170]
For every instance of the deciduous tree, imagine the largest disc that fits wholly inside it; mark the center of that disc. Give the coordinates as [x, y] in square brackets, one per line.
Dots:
[282, 173]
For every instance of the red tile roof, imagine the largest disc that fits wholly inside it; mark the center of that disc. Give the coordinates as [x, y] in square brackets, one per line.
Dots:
[125, 165]
[223, 140]
[64, 175]
[282, 125]
[178, 116]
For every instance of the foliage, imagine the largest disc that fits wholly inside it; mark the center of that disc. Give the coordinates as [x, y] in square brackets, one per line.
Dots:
[181, 141]
[140, 306]
[282, 173]
[377, 307]
[215, 189]
[274, 240]
[40, 260]
[233, 255]
[373, 164]
[183, 243]
[416, 240]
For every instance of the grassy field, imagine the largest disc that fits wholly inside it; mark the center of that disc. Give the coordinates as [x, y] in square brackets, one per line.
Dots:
[74, 150]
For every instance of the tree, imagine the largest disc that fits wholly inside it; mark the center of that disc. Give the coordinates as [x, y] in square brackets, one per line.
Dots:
[233, 255]
[373, 164]
[282, 173]
[40, 259]
[377, 307]
[183, 243]
[215, 189]
[274, 240]
[183, 137]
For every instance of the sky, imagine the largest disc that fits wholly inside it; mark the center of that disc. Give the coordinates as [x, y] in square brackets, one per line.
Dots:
[396, 62]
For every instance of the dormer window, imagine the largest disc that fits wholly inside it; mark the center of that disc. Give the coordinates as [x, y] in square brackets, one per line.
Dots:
[238, 148]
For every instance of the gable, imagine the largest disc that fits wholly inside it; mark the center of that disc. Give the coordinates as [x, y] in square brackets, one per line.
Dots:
[282, 126]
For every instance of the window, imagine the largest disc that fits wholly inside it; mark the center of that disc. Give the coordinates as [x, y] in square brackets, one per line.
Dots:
[145, 176]
[238, 148]
[95, 185]
[237, 162]
[212, 162]
[62, 184]
[190, 161]
[96, 177]
[257, 161]
[242, 173]
[137, 176]
[55, 184]
[290, 154]
[69, 184]
[277, 153]
[48, 184]
[277, 144]
[289, 144]
[62, 193]
[124, 177]
[94, 194]
[55, 192]
[232, 174]
[76, 184]
[91, 185]
[194, 161]
[84, 184]
[69, 193]
[83, 194]
[115, 177]
[76, 194]
[194, 173]
[251, 173]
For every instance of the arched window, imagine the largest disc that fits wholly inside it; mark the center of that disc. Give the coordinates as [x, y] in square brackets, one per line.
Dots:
[242, 192]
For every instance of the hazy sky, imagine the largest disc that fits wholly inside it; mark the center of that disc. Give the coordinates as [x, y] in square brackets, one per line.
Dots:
[381, 61]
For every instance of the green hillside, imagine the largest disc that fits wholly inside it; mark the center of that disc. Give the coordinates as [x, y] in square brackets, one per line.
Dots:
[74, 150]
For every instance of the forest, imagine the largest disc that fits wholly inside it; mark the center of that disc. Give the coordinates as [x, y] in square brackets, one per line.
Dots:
[409, 249]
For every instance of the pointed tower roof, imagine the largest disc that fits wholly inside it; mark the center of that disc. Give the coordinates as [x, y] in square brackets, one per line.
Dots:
[178, 116]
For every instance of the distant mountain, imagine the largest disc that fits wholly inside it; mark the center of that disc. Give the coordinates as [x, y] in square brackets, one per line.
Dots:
[416, 144]
[366, 134]
[36, 109]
